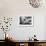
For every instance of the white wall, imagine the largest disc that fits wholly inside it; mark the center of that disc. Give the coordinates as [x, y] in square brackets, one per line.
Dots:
[15, 8]
[45, 29]
[23, 33]
[19, 7]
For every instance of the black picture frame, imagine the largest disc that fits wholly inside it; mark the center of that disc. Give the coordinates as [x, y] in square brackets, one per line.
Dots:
[26, 20]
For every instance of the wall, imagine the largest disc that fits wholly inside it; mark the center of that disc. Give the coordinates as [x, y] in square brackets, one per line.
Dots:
[19, 7]
[16, 8]
[45, 29]
[23, 33]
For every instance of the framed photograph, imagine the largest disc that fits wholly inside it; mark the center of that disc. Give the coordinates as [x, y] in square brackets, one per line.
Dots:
[26, 20]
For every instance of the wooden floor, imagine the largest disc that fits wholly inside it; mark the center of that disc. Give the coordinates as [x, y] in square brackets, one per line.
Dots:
[33, 43]
[3, 43]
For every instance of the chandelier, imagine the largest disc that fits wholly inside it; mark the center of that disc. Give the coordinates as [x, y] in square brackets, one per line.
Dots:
[35, 3]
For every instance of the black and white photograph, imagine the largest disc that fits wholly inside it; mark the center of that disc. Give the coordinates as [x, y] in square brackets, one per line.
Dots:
[26, 20]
